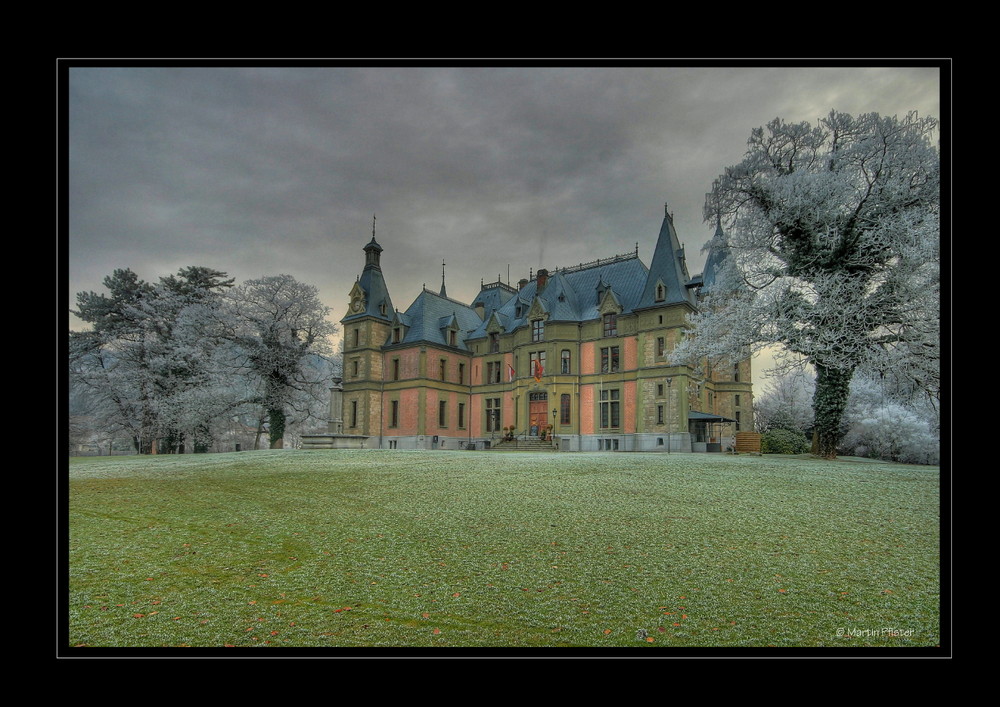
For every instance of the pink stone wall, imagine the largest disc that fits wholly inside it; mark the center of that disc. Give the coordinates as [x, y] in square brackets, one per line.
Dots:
[475, 422]
[630, 354]
[587, 362]
[408, 412]
[409, 363]
[587, 408]
[507, 416]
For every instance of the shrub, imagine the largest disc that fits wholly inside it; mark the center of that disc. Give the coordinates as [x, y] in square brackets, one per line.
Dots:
[783, 442]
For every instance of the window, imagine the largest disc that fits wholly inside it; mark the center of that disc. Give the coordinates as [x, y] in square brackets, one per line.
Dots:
[610, 408]
[461, 373]
[495, 343]
[493, 372]
[736, 373]
[564, 359]
[738, 422]
[661, 292]
[443, 368]
[661, 346]
[357, 337]
[659, 390]
[461, 415]
[564, 409]
[442, 413]
[381, 309]
[354, 413]
[659, 414]
[395, 369]
[538, 330]
[397, 335]
[610, 325]
[609, 359]
[453, 338]
[537, 363]
[394, 414]
[737, 400]
[492, 414]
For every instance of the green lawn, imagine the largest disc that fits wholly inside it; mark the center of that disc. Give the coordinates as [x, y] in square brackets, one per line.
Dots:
[479, 549]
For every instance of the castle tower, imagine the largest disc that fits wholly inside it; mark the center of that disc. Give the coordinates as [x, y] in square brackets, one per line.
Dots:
[366, 329]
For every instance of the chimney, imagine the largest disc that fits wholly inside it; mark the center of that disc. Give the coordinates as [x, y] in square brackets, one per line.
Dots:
[522, 282]
[542, 276]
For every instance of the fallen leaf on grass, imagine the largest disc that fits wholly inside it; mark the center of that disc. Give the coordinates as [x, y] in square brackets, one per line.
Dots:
[607, 631]
[650, 639]
[436, 631]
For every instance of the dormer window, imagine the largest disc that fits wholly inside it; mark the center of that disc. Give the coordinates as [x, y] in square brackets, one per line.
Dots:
[397, 334]
[453, 338]
[495, 342]
[661, 292]
[538, 330]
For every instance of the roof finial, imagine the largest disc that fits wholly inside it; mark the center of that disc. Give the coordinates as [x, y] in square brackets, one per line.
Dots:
[444, 292]
[373, 226]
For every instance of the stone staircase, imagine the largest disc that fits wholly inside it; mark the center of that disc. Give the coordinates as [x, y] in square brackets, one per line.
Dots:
[531, 444]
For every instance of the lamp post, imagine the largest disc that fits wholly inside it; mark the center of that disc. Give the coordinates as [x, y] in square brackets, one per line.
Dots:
[555, 411]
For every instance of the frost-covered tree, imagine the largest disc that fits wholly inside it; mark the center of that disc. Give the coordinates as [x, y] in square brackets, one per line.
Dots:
[141, 360]
[834, 233]
[880, 424]
[786, 402]
[279, 327]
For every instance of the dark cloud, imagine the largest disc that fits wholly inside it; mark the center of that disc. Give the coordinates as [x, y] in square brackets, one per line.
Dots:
[260, 171]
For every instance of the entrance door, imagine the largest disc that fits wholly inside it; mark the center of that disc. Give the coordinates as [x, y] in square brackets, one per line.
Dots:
[538, 412]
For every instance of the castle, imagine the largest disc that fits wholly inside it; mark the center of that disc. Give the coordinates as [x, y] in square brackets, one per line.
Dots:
[580, 356]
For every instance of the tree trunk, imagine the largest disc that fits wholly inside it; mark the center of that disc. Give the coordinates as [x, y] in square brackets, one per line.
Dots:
[829, 402]
[276, 416]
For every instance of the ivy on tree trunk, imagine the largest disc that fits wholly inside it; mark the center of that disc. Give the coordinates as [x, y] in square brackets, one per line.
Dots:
[833, 385]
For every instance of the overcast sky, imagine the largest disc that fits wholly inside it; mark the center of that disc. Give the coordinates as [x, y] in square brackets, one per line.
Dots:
[279, 169]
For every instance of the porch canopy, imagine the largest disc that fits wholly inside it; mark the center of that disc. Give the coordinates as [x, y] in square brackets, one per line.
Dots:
[702, 426]
[706, 417]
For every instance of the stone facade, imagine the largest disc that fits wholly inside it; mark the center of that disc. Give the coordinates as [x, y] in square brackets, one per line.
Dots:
[582, 353]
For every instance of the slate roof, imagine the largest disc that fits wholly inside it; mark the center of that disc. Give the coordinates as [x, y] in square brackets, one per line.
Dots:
[429, 317]
[668, 266]
[717, 252]
[571, 294]
[372, 282]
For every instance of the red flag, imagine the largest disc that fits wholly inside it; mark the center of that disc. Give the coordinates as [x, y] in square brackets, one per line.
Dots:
[538, 371]
[510, 373]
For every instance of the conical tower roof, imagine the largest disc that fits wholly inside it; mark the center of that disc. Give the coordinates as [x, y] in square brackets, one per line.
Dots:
[669, 268]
